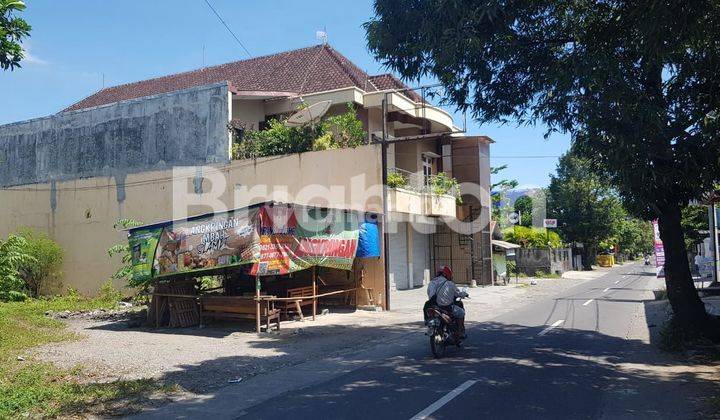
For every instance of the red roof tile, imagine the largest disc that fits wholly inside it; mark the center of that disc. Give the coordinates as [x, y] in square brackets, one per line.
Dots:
[388, 81]
[306, 70]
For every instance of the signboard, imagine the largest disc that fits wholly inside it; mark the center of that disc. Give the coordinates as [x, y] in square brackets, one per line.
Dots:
[659, 251]
[274, 238]
[549, 223]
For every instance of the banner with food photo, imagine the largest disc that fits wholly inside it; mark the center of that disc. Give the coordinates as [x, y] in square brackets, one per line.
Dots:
[275, 238]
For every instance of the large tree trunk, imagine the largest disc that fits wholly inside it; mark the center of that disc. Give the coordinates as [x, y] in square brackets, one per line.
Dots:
[588, 257]
[687, 307]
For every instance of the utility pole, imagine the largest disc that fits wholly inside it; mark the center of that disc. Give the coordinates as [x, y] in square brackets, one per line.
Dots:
[714, 240]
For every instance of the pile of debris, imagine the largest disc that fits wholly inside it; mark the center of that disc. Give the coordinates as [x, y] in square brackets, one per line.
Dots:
[134, 316]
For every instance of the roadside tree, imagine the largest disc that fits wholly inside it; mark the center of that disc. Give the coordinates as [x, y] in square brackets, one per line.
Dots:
[584, 204]
[12, 31]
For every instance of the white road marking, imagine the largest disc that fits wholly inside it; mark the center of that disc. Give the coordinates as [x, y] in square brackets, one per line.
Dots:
[550, 328]
[607, 289]
[587, 302]
[617, 281]
[442, 401]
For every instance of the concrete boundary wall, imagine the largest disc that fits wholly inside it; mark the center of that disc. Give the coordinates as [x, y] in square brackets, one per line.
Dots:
[79, 214]
[186, 127]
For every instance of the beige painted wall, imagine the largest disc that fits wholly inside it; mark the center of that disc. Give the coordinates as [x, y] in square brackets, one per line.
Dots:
[86, 209]
[251, 112]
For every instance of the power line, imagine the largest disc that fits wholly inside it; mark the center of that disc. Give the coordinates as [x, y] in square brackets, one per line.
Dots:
[228, 28]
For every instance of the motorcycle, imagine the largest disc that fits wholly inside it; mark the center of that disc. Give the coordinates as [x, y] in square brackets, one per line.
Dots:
[442, 328]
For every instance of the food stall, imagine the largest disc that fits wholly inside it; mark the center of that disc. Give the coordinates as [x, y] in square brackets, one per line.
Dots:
[258, 253]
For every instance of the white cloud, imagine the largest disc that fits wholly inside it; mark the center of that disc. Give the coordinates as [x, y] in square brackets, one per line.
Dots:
[30, 58]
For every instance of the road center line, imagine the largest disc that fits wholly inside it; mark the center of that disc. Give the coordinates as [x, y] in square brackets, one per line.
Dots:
[587, 302]
[442, 401]
[550, 328]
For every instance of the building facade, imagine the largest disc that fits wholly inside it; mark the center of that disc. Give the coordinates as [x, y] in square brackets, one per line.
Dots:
[151, 149]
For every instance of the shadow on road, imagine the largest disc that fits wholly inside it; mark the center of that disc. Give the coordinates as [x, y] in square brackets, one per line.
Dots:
[506, 360]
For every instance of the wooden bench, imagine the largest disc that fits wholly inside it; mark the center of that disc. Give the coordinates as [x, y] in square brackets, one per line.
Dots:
[303, 297]
[238, 307]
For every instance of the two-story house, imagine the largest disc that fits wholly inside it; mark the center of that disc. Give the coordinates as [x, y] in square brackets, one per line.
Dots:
[115, 154]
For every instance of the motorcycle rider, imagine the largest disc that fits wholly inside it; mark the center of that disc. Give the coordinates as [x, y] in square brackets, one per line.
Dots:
[442, 292]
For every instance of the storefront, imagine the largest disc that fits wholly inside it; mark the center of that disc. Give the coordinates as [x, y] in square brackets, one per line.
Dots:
[270, 260]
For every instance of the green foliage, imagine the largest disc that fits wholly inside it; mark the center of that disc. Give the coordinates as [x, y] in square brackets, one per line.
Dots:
[12, 258]
[12, 31]
[585, 205]
[694, 220]
[634, 237]
[524, 205]
[499, 191]
[44, 268]
[277, 139]
[335, 132]
[122, 249]
[396, 180]
[109, 294]
[346, 129]
[628, 81]
[324, 142]
[529, 237]
[510, 267]
[442, 184]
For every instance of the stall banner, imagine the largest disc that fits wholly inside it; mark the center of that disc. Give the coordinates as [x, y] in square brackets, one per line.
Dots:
[659, 251]
[142, 244]
[293, 239]
[275, 238]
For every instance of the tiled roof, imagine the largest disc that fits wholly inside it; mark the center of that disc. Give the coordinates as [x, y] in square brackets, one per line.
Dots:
[306, 70]
[388, 81]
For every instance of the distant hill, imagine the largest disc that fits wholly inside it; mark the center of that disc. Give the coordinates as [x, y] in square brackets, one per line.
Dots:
[513, 195]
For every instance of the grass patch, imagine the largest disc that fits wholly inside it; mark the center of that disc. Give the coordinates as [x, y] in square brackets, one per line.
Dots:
[38, 389]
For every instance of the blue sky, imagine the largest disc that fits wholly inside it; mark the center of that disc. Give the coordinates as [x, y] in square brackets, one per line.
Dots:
[75, 44]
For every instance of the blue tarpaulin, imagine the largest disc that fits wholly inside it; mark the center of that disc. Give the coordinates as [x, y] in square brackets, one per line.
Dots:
[369, 239]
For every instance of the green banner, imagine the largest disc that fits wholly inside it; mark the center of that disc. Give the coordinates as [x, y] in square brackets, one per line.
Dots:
[275, 238]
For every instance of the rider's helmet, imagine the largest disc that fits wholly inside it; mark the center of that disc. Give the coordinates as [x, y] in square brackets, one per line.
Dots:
[446, 272]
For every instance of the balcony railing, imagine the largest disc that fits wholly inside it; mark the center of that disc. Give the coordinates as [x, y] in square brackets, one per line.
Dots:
[418, 182]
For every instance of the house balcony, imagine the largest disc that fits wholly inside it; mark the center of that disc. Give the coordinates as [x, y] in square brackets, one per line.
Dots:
[409, 192]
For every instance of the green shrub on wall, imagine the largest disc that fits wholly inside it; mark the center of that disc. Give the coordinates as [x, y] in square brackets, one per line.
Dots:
[396, 180]
[122, 249]
[442, 184]
[335, 132]
[528, 237]
[42, 272]
[12, 257]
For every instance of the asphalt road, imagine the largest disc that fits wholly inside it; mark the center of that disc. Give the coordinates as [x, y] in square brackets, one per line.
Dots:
[572, 356]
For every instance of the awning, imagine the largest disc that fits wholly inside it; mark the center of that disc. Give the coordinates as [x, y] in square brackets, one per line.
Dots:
[504, 245]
